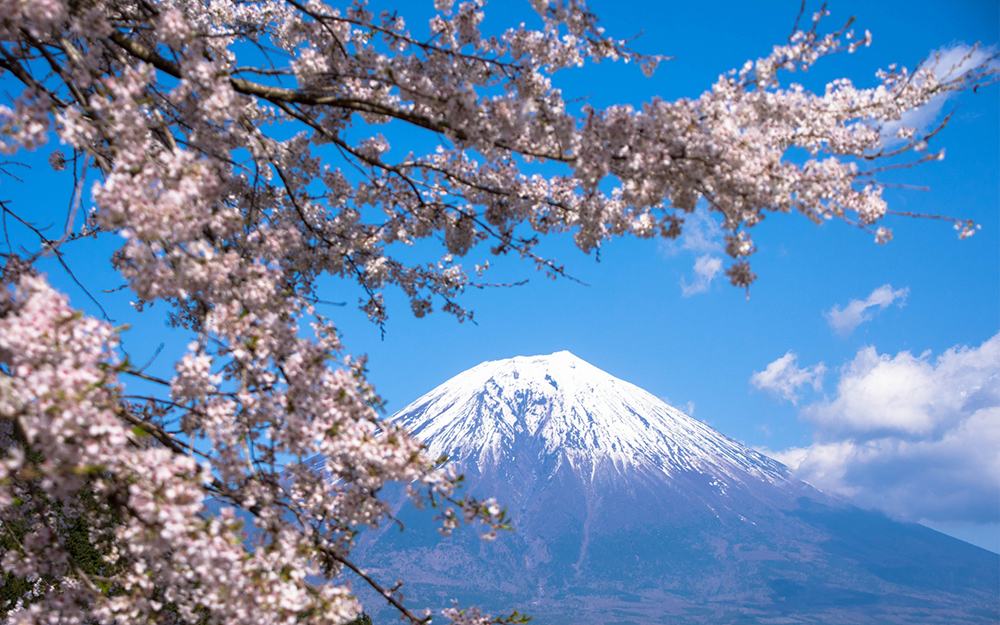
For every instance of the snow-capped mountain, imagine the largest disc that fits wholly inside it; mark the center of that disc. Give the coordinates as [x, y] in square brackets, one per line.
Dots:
[559, 405]
[628, 510]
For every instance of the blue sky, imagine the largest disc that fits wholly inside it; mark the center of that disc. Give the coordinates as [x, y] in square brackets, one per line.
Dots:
[870, 366]
[699, 350]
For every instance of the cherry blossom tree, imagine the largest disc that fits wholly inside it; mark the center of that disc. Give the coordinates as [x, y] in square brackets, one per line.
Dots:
[234, 147]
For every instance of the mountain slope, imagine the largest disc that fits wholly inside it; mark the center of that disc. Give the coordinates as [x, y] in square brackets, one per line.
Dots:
[629, 511]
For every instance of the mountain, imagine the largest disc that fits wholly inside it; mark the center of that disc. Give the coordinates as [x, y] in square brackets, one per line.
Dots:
[629, 511]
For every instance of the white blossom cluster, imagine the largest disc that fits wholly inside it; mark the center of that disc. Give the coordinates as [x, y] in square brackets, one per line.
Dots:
[212, 126]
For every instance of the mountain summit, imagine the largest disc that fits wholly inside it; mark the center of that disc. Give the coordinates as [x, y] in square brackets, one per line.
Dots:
[629, 511]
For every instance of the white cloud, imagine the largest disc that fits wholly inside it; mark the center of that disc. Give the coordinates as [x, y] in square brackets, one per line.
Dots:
[706, 269]
[915, 437]
[702, 236]
[948, 63]
[844, 320]
[783, 377]
[878, 393]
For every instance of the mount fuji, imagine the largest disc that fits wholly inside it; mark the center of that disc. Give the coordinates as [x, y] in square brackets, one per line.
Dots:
[629, 511]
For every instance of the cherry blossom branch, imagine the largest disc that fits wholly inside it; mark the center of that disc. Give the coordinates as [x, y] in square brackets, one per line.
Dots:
[230, 210]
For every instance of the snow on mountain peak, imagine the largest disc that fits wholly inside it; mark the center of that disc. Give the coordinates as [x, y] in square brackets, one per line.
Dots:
[561, 406]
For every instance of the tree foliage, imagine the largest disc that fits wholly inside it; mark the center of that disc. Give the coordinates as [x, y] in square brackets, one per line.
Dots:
[234, 147]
